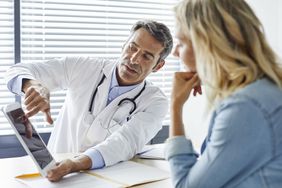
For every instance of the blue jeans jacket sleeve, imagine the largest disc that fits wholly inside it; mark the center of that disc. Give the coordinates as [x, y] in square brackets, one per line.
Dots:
[238, 145]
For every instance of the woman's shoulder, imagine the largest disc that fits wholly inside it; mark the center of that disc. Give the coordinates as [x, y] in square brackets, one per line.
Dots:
[262, 93]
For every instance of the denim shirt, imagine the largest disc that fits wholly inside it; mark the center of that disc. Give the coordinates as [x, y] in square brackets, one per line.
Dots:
[243, 145]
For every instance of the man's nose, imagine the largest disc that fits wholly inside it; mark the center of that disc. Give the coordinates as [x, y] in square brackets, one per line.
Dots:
[135, 58]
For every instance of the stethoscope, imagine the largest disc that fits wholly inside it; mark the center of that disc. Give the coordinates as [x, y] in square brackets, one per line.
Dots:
[131, 100]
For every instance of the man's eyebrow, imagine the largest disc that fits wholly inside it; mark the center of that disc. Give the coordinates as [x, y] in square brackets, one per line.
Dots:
[147, 52]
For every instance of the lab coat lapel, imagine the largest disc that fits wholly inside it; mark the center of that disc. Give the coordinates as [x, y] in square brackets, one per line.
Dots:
[101, 98]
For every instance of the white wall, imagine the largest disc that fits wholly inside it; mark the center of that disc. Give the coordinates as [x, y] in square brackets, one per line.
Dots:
[195, 119]
[271, 18]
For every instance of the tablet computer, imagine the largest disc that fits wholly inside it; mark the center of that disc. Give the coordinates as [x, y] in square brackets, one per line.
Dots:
[29, 138]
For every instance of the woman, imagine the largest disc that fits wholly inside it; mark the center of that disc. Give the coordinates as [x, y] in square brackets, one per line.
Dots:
[222, 45]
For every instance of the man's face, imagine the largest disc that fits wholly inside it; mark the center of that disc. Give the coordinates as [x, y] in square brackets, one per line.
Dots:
[139, 58]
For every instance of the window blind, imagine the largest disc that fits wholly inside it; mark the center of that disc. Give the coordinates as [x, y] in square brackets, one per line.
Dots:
[56, 28]
[6, 54]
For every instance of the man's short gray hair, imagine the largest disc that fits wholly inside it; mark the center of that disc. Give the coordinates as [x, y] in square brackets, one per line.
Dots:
[159, 31]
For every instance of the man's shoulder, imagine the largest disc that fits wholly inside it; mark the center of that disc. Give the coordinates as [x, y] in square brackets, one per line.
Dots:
[89, 59]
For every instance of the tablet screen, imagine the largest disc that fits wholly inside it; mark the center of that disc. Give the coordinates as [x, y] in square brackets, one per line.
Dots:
[31, 138]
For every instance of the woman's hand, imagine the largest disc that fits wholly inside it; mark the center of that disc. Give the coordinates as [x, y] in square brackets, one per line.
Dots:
[183, 84]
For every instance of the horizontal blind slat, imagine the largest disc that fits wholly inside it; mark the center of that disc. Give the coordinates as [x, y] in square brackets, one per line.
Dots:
[6, 55]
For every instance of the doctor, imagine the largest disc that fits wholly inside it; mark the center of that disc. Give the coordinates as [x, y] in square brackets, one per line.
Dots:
[110, 111]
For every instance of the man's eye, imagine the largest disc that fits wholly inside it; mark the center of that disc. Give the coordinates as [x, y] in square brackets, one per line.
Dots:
[148, 57]
[132, 48]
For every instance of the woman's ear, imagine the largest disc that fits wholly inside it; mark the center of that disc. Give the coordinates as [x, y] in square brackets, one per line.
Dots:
[159, 65]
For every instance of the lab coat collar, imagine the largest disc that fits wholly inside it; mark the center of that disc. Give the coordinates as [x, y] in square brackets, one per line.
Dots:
[109, 68]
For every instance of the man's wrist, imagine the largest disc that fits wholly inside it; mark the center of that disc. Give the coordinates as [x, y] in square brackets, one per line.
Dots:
[26, 83]
[81, 162]
[96, 158]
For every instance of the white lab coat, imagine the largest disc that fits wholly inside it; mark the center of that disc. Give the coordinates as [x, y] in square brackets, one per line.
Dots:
[72, 132]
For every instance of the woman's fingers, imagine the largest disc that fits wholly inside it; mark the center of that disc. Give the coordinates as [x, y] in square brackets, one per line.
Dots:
[183, 84]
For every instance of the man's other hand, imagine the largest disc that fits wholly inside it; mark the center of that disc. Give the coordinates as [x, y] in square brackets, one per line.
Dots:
[67, 166]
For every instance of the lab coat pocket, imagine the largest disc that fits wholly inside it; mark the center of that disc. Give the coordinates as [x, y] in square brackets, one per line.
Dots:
[96, 133]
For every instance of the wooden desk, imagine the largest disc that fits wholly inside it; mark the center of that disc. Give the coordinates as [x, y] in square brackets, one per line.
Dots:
[11, 167]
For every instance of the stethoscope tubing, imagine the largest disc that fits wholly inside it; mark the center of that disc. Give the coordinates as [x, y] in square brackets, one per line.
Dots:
[132, 100]
[94, 94]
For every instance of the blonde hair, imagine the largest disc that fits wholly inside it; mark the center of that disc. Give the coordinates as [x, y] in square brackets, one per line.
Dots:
[229, 45]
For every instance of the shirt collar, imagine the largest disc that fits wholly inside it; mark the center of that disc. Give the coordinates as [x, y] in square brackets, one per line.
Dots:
[114, 83]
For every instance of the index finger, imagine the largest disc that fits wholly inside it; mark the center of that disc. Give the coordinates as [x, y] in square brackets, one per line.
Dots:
[33, 111]
[187, 75]
[29, 91]
[28, 127]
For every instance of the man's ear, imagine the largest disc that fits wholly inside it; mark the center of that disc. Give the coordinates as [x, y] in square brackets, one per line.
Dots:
[159, 65]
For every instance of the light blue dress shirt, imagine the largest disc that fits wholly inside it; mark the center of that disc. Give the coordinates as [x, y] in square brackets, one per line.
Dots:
[116, 90]
[243, 146]
[15, 86]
